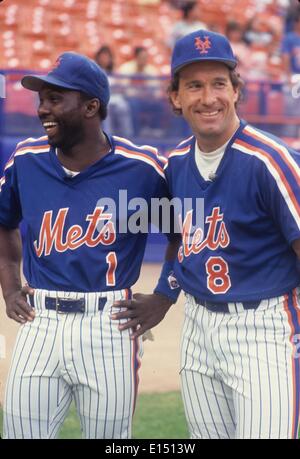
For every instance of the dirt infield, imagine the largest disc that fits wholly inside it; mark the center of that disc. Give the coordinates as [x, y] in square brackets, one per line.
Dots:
[160, 363]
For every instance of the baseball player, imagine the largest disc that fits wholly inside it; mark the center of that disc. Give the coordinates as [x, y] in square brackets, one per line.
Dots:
[76, 260]
[240, 352]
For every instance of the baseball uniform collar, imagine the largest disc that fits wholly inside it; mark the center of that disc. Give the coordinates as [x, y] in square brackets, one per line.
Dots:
[226, 157]
[86, 172]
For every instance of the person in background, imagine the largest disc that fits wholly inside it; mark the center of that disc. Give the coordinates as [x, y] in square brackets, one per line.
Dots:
[189, 22]
[291, 50]
[119, 116]
[259, 33]
[290, 12]
[143, 89]
[235, 33]
[139, 65]
[263, 40]
[105, 58]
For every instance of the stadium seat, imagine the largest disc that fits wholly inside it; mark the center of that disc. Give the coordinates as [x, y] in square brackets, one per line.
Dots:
[84, 25]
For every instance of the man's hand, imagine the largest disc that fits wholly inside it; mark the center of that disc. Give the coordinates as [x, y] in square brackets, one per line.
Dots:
[143, 312]
[17, 307]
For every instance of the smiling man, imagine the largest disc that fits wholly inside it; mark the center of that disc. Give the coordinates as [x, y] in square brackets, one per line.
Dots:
[240, 367]
[213, 118]
[75, 259]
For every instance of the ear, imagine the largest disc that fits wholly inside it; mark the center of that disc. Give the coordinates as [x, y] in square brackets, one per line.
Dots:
[175, 99]
[236, 94]
[92, 107]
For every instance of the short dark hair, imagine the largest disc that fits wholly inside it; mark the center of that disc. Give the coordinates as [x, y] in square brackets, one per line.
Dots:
[138, 50]
[233, 26]
[105, 49]
[186, 9]
[235, 79]
[103, 108]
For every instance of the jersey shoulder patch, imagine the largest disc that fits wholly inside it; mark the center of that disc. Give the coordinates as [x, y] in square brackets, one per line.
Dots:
[145, 153]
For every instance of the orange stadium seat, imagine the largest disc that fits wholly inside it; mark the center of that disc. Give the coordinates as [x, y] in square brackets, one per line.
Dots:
[46, 28]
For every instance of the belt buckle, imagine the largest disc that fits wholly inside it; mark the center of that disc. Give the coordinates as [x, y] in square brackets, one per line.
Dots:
[58, 305]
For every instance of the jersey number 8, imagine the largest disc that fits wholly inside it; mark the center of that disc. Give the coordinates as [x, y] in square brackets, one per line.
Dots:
[218, 280]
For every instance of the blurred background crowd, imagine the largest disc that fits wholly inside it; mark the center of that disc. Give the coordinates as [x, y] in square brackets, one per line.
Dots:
[138, 34]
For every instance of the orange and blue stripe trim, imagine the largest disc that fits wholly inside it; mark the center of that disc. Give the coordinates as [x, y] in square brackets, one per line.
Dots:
[285, 176]
[281, 150]
[24, 150]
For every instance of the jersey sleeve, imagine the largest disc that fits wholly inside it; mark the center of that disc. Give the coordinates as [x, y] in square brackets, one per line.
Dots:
[10, 208]
[281, 189]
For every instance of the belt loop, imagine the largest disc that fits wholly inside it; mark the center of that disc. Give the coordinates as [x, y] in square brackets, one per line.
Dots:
[31, 300]
[231, 307]
[101, 303]
[239, 307]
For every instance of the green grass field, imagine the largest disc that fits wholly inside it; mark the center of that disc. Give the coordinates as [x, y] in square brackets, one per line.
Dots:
[157, 416]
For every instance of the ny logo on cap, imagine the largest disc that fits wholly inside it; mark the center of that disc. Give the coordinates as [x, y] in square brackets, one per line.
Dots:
[203, 46]
[56, 63]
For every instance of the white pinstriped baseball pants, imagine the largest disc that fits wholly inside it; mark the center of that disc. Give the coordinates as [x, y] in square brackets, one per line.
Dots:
[240, 371]
[80, 356]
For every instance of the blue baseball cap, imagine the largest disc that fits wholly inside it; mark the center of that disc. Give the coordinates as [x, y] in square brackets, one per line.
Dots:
[73, 71]
[202, 45]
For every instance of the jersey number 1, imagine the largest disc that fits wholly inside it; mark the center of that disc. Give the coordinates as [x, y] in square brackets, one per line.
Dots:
[111, 260]
[218, 280]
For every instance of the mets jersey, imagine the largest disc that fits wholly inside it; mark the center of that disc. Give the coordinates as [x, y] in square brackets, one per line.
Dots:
[251, 216]
[72, 241]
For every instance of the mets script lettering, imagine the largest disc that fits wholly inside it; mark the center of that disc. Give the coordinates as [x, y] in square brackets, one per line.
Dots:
[217, 235]
[52, 234]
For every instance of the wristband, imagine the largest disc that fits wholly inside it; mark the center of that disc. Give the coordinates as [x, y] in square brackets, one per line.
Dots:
[167, 284]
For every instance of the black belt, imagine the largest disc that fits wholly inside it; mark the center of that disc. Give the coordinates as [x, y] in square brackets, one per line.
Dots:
[66, 305]
[224, 307]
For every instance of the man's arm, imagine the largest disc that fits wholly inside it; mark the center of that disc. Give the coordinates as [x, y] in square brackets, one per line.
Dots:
[146, 311]
[10, 260]
[296, 247]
